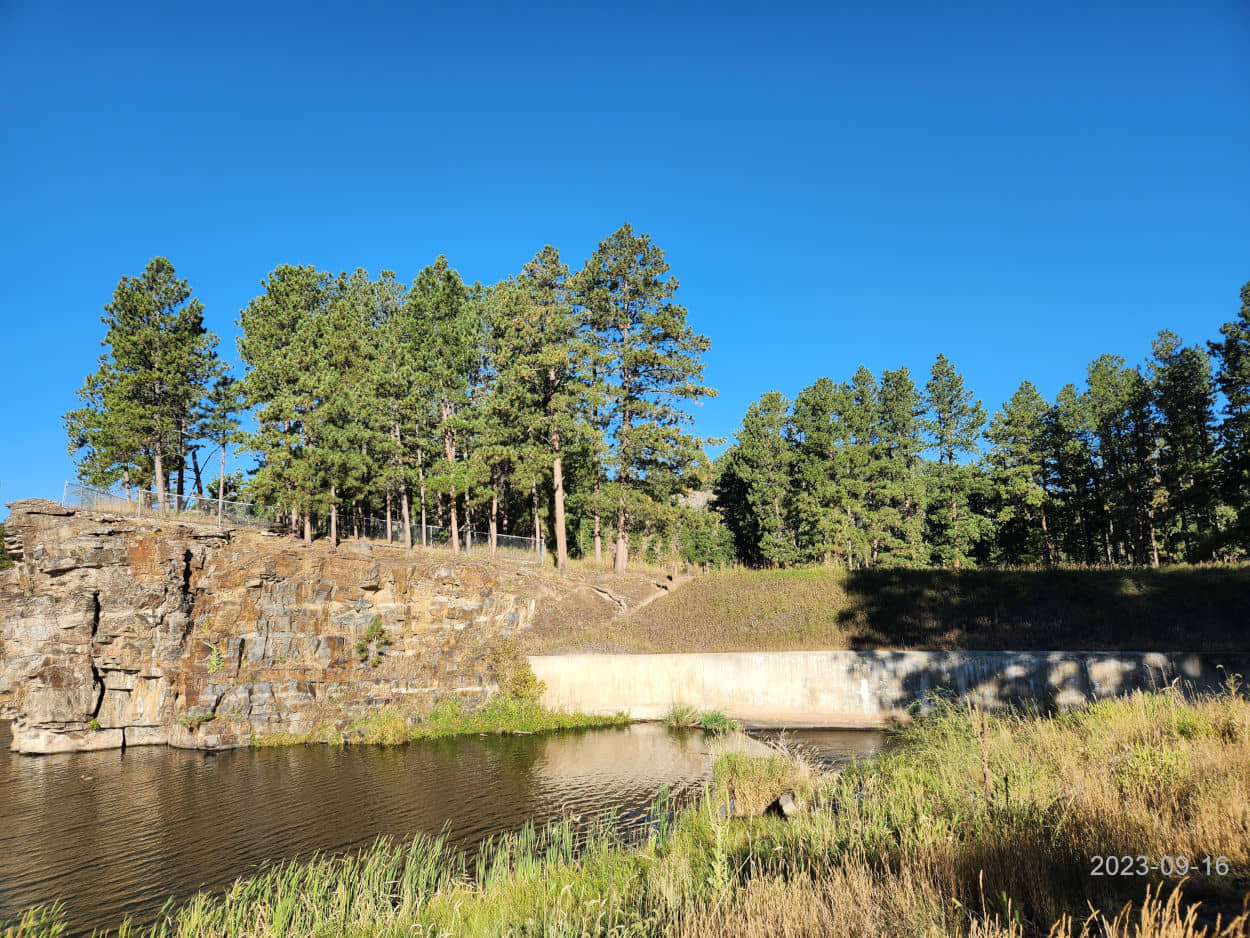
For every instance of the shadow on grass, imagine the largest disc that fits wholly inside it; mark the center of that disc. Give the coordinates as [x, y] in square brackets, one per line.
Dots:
[1189, 609]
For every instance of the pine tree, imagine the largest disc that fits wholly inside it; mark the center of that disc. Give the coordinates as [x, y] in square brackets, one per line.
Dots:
[544, 362]
[139, 406]
[448, 338]
[1232, 378]
[280, 345]
[219, 424]
[821, 502]
[651, 367]
[1070, 471]
[1017, 436]
[345, 427]
[867, 454]
[900, 417]
[763, 461]
[1185, 401]
[406, 408]
[956, 421]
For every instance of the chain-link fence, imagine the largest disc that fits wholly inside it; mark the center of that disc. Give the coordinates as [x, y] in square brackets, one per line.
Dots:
[475, 543]
[143, 504]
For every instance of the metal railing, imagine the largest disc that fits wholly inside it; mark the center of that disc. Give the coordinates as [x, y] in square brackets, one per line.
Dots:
[476, 543]
[144, 504]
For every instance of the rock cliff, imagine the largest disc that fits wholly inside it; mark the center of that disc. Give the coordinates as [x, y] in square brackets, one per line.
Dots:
[117, 632]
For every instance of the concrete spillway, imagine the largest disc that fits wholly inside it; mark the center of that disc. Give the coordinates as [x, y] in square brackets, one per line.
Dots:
[863, 688]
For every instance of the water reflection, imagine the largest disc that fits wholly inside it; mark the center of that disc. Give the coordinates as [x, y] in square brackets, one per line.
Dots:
[827, 748]
[114, 834]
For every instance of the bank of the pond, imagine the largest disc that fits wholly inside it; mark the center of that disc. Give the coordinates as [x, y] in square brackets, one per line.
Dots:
[501, 715]
[977, 825]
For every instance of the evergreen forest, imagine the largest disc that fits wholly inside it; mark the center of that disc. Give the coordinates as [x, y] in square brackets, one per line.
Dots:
[556, 404]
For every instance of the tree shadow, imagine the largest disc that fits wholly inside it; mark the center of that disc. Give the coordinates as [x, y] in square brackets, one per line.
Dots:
[1182, 609]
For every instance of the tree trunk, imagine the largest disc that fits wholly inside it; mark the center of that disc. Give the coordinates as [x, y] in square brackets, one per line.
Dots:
[195, 470]
[598, 528]
[538, 530]
[449, 446]
[403, 502]
[334, 518]
[1154, 546]
[1046, 538]
[221, 486]
[158, 470]
[453, 520]
[955, 536]
[494, 522]
[308, 529]
[557, 481]
[388, 517]
[425, 541]
[182, 462]
[622, 540]
[126, 482]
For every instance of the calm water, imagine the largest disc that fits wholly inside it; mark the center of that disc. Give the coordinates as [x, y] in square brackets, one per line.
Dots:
[115, 834]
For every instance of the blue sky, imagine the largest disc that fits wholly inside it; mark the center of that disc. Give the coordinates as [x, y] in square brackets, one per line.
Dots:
[1020, 185]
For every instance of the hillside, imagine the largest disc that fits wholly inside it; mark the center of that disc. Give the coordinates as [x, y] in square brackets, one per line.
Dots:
[1181, 608]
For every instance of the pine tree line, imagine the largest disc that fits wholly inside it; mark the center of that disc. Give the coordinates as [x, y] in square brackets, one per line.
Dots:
[1144, 465]
[549, 403]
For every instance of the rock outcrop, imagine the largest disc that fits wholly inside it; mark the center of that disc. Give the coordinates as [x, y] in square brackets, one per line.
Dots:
[117, 632]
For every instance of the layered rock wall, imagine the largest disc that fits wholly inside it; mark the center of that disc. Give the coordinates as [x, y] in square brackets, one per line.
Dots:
[116, 631]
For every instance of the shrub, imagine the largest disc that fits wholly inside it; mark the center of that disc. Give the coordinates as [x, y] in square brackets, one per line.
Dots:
[376, 639]
[681, 715]
[715, 722]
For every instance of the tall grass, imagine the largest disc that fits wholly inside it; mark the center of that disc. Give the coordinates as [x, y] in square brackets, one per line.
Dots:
[684, 716]
[396, 725]
[976, 825]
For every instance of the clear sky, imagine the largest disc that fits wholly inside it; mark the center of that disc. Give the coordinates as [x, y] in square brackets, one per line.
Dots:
[1020, 185]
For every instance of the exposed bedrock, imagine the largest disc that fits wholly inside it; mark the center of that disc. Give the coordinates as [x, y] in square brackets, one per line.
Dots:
[119, 632]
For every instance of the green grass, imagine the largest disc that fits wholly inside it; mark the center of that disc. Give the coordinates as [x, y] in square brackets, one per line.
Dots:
[500, 715]
[1172, 609]
[681, 716]
[975, 825]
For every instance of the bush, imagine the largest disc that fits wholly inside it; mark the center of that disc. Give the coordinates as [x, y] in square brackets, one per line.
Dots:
[371, 647]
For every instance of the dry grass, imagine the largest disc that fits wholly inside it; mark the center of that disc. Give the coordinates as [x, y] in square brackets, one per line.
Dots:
[1184, 608]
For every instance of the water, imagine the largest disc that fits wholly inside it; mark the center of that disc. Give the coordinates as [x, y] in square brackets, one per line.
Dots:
[826, 748]
[115, 834]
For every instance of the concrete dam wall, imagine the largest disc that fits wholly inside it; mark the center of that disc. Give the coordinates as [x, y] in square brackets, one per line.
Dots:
[863, 688]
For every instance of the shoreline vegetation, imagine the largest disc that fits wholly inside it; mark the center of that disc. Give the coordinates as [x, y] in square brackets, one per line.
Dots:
[501, 715]
[985, 825]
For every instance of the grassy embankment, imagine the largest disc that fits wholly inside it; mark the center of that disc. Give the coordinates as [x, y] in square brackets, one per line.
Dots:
[1182, 608]
[977, 825]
